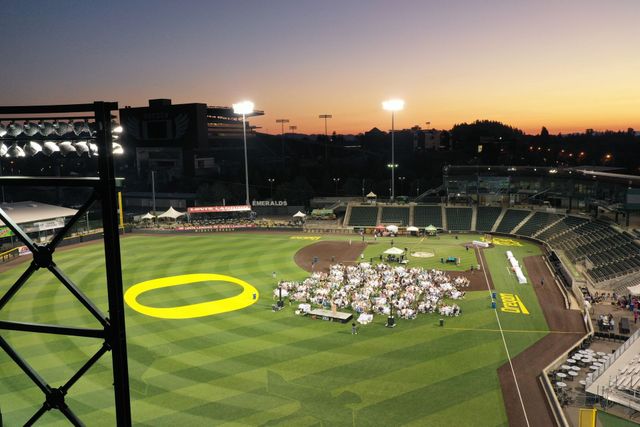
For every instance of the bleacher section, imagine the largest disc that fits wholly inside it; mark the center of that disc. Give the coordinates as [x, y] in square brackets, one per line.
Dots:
[363, 216]
[561, 228]
[459, 219]
[536, 223]
[487, 216]
[426, 215]
[393, 215]
[511, 218]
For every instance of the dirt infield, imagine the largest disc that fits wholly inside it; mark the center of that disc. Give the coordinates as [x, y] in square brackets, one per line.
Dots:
[328, 253]
[566, 328]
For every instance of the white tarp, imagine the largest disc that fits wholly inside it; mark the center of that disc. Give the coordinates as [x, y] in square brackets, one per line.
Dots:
[299, 215]
[521, 279]
[480, 244]
[171, 213]
[634, 290]
[394, 251]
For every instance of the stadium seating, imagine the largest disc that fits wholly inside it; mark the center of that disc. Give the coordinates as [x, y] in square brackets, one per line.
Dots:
[510, 219]
[561, 228]
[425, 215]
[459, 219]
[395, 215]
[363, 216]
[487, 216]
[536, 223]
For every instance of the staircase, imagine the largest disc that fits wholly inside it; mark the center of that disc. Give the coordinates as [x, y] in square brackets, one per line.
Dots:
[474, 217]
[517, 227]
[444, 217]
[499, 220]
[411, 214]
[379, 216]
[548, 226]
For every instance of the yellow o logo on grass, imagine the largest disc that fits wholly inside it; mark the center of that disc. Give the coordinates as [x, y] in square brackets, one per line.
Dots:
[248, 297]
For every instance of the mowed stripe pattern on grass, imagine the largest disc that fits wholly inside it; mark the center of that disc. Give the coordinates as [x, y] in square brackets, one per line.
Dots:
[253, 366]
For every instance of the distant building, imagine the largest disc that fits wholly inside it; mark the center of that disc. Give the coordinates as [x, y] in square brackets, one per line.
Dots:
[180, 140]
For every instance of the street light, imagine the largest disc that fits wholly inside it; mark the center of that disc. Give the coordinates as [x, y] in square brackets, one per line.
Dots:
[292, 129]
[393, 105]
[336, 181]
[271, 181]
[401, 179]
[244, 108]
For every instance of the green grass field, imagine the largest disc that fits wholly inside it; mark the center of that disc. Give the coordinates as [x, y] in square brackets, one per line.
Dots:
[257, 367]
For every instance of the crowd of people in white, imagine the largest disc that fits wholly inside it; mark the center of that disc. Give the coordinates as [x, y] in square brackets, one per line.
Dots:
[377, 288]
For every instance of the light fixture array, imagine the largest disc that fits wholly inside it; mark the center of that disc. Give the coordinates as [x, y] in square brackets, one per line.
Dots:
[66, 137]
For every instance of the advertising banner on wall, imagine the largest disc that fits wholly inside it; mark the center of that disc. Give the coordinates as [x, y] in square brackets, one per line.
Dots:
[214, 209]
[5, 232]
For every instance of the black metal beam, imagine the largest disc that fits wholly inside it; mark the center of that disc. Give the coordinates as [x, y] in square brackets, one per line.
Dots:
[54, 109]
[31, 373]
[52, 329]
[16, 286]
[61, 233]
[117, 339]
[55, 181]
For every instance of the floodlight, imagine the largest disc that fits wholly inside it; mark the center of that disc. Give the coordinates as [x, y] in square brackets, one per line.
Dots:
[62, 128]
[244, 107]
[46, 128]
[15, 151]
[115, 127]
[3, 130]
[117, 149]
[66, 148]
[81, 147]
[81, 127]
[50, 147]
[31, 129]
[14, 129]
[393, 105]
[3, 149]
[32, 148]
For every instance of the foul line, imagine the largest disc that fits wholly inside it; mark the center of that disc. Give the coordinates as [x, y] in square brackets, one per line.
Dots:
[513, 372]
[513, 331]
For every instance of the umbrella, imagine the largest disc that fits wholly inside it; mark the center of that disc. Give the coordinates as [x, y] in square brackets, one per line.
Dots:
[380, 227]
[394, 251]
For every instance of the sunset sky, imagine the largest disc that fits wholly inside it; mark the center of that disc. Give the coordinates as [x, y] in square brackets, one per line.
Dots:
[566, 65]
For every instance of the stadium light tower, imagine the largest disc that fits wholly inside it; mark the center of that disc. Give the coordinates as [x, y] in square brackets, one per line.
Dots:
[393, 105]
[282, 122]
[326, 134]
[244, 108]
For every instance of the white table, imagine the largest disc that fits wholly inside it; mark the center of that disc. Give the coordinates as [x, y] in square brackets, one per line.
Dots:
[571, 361]
[594, 368]
[576, 368]
[560, 384]
[572, 374]
[601, 353]
[565, 367]
[598, 364]
[583, 383]
[561, 375]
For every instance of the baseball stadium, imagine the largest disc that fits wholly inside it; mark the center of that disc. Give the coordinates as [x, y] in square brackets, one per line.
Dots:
[502, 297]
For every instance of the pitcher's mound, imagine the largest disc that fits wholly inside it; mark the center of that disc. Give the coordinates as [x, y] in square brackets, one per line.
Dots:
[423, 254]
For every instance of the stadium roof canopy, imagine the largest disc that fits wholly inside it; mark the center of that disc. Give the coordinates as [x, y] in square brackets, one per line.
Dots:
[26, 212]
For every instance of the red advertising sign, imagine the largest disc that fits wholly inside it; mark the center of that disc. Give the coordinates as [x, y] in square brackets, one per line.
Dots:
[220, 227]
[209, 209]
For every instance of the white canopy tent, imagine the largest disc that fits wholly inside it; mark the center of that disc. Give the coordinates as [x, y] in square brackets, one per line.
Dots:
[171, 213]
[372, 195]
[394, 251]
[634, 290]
[412, 228]
[299, 215]
[147, 216]
[392, 228]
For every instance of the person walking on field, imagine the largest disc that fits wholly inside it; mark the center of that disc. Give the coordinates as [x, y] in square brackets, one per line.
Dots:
[354, 330]
[542, 282]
